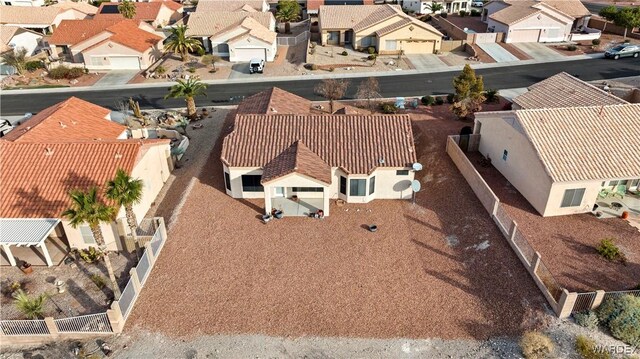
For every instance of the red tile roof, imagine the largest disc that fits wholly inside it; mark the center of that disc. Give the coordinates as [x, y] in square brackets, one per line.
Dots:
[300, 159]
[73, 119]
[145, 11]
[356, 143]
[37, 177]
[71, 32]
[128, 33]
[272, 101]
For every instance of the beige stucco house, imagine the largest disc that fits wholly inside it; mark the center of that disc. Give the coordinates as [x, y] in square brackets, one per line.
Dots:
[560, 159]
[384, 27]
[46, 18]
[239, 35]
[424, 6]
[13, 38]
[155, 13]
[107, 44]
[233, 5]
[299, 162]
[539, 20]
[71, 145]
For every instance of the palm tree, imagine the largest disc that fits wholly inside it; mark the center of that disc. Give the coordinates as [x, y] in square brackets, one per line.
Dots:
[127, 8]
[126, 192]
[180, 43]
[434, 6]
[188, 90]
[288, 11]
[87, 208]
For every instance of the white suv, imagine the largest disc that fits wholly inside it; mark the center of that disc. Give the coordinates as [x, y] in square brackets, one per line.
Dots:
[256, 65]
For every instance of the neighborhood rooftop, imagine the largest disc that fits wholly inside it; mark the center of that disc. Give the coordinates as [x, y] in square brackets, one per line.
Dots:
[567, 141]
[73, 119]
[356, 143]
[28, 15]
[521, 9]
[37, 177]
[229, 5]
[214, 23]
[145, 11]
[274, 101]
[564, 90]
[355, 16]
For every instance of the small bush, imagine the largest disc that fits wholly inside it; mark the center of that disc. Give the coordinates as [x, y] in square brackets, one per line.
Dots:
[491, 96]
[443, 15]
[98, 281]
[161, 70]
[462, 13]
[371, 50]
[622, 316]
[609, 251]
[33, 65]
[595, 42]
[588, 350]
[63, 72]
[200, 51]
[32, 308]
[372, 57]
[587, 319]
[626, 41]
[428, 100]
[536, 345]
[572, 47]
[90, 254]
[439, 101]
[344, 53]
[451, 98]
[475, 13]
[388, 108]
[191, 70]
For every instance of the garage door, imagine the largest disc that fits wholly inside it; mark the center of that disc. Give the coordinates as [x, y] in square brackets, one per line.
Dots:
[124, 62]
[524, 36]
[417, 47]
[246, 55]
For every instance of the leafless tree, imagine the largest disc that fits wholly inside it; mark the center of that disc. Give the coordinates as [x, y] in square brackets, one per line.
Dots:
[332, 90]
[367, 90]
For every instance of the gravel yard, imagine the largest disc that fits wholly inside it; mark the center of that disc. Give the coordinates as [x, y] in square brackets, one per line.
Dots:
[567, 243]
[439, 268]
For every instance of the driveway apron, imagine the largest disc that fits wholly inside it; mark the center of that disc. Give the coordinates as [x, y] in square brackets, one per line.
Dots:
[539, 52]
[425, 62]
[116, 77]
[497, 52]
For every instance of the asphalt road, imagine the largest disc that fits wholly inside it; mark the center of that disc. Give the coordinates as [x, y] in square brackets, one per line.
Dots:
[391, 86]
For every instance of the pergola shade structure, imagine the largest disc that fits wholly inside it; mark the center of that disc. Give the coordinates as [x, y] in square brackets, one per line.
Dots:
[26, 232]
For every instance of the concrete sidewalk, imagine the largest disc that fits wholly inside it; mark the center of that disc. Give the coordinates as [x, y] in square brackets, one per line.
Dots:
[303, 77]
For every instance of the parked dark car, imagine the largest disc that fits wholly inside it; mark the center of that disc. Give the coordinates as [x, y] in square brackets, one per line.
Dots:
[626, 50]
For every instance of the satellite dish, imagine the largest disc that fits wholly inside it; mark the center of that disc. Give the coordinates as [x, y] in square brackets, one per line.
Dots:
[415, 185]
[417, 167]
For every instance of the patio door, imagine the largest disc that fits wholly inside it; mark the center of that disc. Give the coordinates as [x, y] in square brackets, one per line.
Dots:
[279, 192]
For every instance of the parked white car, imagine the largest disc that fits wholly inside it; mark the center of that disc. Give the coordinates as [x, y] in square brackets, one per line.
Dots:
[477, 4]
[256, 66]
[5, 127]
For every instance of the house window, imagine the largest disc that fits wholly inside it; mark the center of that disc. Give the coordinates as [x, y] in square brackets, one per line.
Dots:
[368, 41]
[251, 183]
[357, 187]
[463, 5]
[613, 183]
[391, 44]
[343, 185]
[505, 154]
[227, 181]
[87, 235]
[372, 185]
[306, 189]
[402, 172]
[572, 197]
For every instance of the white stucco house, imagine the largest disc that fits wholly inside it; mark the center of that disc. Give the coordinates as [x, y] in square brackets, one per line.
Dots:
[424, 7]
[299, 162]
[239, 35]
[14, 38]
[539, 20]
[70, 145]
[560, 159]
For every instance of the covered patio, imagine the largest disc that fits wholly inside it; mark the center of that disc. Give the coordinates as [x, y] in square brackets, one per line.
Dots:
[299, 207]
[23, 240]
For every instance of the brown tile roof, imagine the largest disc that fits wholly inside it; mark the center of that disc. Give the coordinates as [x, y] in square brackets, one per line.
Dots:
[71, 32]
[516, 11]
[145, 11]
[573, 8]
[29, 15]
[124, 32]
[356, 17]
[300, 159]
[78, 6]
[585, 143]
[37, 177]
[355, 143]
[255, 29]
[229, 5]
[274, 101]
[70, 120]
[215, 23]
[564, 90]
[521, 9]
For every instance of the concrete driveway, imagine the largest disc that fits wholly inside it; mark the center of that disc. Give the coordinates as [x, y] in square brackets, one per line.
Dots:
[240, 71]
[539, 51]
[116, 77]
[424, 62]
[497, 52]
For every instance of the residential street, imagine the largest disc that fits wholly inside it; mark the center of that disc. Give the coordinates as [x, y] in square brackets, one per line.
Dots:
[392, 86]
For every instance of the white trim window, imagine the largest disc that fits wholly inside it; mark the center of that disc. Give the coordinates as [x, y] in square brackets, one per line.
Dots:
[572, 197]
[87, 235]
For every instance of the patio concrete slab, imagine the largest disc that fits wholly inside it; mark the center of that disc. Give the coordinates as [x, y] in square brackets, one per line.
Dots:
[300, 208]
[116, 77]
[539, 51]
[423, 62]
[497, 52]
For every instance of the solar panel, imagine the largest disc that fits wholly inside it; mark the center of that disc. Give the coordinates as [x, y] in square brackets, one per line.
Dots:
[110, 9]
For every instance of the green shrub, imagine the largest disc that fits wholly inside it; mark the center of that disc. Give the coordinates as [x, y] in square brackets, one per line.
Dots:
[491, 96]
[609, 251]
[98, 281]
[372, 57]
[371, 50]
[90, 254]
[443, 15]
[536, 345]
[33, 65]
[572, 47]
[587, 319]
[451, 98]
[439, 101]
[595, 42]
[32, 308]
[475, 13]
[191, 69]
[161, 70]
[622, 316]
[388, 108]
[344, 53]
[428, 100]
[588, 350]
[626, 41]
[462, 13]
[63, 72]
